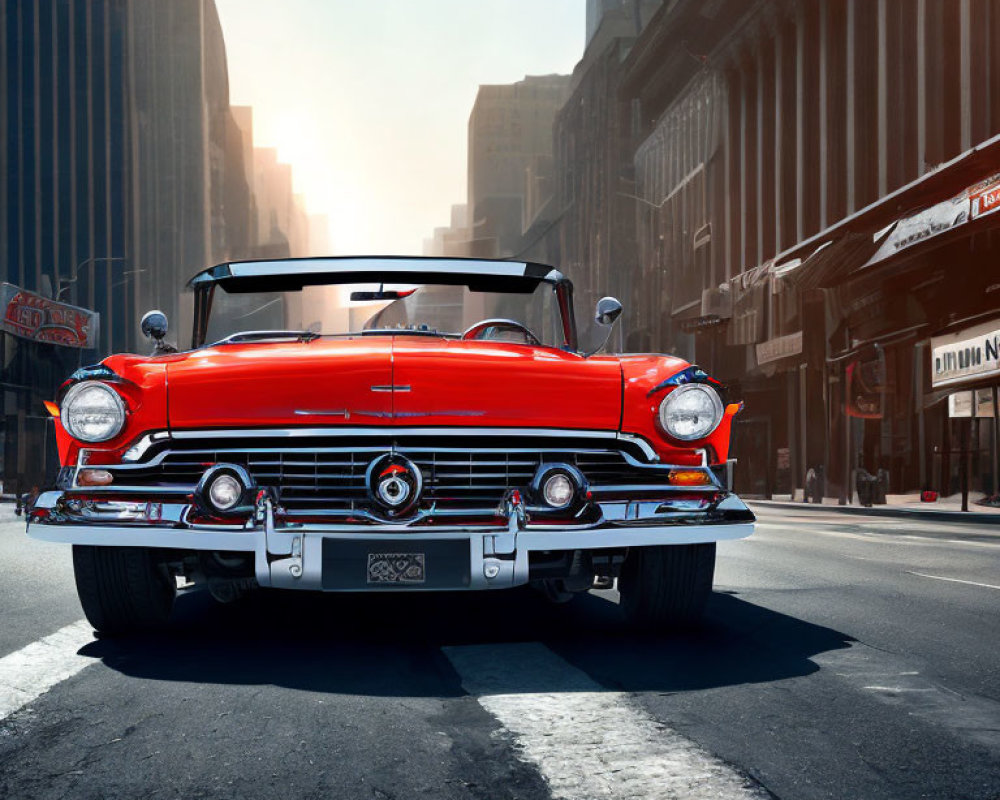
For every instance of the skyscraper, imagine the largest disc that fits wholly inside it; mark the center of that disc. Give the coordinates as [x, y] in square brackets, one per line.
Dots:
[509, 128]
[114, 154]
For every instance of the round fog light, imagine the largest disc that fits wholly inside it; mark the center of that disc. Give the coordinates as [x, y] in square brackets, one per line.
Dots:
[224, 492]
[558, 490]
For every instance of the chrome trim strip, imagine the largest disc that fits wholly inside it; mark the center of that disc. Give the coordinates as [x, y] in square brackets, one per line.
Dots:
[606, 488]
[138, 450]
[305, 412]
[155, 461]
[151, 491]
[408, 431]
[159, 457]
[641, 443]
[173, 538]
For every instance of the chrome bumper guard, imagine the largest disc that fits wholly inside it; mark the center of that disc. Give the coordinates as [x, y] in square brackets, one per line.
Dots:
[289, 554]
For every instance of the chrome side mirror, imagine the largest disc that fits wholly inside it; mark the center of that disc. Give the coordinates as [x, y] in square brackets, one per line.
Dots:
[154, 325]
[608, 311]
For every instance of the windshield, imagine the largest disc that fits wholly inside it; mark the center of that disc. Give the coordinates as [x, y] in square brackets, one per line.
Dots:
[365, 309]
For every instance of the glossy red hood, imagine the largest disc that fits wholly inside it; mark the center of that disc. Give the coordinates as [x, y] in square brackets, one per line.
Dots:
[402, 381]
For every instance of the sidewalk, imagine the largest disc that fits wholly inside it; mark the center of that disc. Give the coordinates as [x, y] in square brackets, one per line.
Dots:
[899, 506]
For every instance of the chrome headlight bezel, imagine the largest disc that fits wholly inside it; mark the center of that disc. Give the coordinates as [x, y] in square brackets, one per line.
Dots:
[674, 396]
[117, 408]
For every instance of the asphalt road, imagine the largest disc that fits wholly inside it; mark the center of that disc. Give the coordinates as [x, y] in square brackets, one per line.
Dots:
[842, 657]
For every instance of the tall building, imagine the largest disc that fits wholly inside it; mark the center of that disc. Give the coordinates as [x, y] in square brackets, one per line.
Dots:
[121, 177]
[628, 16]
[319, 235]
[583, 218]
[510, 127]
[282, 222]
[190, 197]
[809, 193]
[242, 120]
[453, 240]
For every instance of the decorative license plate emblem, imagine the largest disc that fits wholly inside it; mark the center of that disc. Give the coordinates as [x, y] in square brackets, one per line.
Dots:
[396, 568]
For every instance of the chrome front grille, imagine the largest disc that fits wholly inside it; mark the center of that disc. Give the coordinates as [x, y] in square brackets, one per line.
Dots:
[466, 473]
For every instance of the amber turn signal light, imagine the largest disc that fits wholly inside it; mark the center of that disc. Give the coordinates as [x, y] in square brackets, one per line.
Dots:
[689, 477]
[52, 408]
[94, 477]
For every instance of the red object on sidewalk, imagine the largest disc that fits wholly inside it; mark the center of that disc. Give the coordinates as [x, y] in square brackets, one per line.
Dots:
[928, 496]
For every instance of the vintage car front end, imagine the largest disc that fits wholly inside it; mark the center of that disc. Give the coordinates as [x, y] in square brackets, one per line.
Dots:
[359, 465]
[355, 509]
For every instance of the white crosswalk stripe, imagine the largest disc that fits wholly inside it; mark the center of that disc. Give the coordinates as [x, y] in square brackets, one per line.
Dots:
[27, 673]
[589, 743]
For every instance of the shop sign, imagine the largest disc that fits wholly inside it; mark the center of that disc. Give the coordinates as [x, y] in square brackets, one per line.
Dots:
[41, 319]
[777, 349]
[966, 356]
[960, 404]
[699, 324]
[985, 201]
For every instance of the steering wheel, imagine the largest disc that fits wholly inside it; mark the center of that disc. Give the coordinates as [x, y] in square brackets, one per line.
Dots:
[489, 325]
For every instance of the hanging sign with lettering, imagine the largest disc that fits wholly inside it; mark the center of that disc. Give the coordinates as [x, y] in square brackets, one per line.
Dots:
[42, 319]
[966, 356]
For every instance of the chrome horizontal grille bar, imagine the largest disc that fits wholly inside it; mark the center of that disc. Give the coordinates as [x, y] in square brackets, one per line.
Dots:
[317, 474]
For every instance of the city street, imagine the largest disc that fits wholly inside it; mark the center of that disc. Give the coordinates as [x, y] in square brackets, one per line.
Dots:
[843, 657]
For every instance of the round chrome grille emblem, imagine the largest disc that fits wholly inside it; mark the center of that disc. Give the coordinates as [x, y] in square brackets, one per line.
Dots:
[393, 490]
[394, 483]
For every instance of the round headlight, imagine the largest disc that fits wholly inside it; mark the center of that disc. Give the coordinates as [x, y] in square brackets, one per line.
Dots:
[691, 411]
[92, 412]
[558, 490]
[224, 492]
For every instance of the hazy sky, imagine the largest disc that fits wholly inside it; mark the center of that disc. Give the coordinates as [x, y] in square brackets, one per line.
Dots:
[369, 100]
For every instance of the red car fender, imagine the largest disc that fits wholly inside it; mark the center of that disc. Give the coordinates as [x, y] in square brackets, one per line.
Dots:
[640, 411]
[141, 383]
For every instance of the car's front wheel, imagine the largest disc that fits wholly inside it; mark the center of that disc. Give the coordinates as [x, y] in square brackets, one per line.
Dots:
[123, 589]
[667, 587]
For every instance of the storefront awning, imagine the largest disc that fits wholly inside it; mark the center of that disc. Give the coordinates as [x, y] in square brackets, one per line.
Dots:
[832, 260]
[831, 255]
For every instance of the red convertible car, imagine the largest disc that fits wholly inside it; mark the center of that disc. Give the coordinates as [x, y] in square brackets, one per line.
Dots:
[387, 424]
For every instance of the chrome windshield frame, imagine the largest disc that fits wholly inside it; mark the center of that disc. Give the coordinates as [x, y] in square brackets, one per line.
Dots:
[293, 274]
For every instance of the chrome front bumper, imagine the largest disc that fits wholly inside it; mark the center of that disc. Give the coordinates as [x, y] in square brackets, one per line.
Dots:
[291, 556]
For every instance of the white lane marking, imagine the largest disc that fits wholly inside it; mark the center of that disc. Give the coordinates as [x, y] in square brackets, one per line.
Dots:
[954, 580]
[37, 667]
[589, 743]
[890, 679]
[884, 538]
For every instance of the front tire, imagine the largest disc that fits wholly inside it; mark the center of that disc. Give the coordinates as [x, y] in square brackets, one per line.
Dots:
[667, 587]
[123, 589]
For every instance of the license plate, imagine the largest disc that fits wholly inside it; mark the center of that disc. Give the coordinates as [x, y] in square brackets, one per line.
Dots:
[395, 568]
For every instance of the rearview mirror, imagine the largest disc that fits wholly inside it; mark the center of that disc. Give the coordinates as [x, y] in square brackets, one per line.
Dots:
[391, 294]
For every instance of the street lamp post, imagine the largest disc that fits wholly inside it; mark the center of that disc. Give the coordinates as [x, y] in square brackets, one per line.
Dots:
[76, 270]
